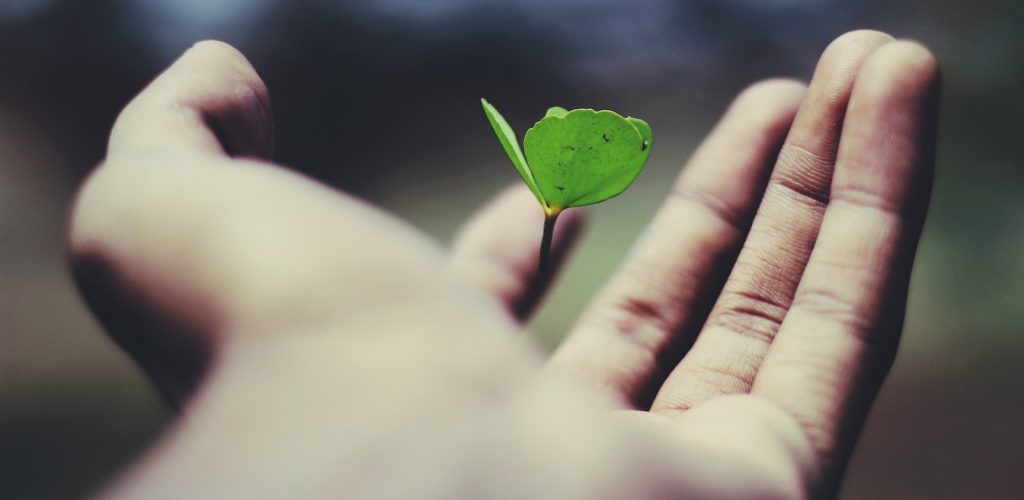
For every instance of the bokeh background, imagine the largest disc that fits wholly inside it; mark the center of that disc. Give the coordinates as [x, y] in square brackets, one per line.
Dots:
[380, 98]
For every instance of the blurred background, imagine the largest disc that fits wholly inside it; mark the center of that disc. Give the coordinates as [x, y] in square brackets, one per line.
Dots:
[381, 98]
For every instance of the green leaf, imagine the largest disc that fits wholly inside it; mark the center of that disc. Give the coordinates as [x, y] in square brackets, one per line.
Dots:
[508, 140]
[585, 156]
[574, 158]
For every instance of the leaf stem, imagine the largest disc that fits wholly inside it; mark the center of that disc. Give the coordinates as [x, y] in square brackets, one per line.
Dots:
[544, 265]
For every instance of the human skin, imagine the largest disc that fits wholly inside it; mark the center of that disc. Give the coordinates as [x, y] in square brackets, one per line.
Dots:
[317, 347]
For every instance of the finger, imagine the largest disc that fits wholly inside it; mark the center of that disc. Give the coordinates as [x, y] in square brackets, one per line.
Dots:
[732, 343]
[127, 225]
[839, 338]
[209, 101]
[642, 321]
[498, 250]
[179, 257]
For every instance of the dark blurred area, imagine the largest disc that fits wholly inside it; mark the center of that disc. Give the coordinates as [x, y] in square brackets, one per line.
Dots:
[381, 98]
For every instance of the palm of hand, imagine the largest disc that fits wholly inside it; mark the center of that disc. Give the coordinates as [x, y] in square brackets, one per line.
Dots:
[749, 329]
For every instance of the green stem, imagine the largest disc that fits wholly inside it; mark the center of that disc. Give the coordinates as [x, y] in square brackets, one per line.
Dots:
[545, 242]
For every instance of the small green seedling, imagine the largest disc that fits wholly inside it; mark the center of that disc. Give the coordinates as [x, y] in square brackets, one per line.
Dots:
[574, 158]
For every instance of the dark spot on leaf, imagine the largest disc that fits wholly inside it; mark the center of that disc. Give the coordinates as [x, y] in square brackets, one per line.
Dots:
[643, 146]
[568, 148]
[605, 137]
[560, 188]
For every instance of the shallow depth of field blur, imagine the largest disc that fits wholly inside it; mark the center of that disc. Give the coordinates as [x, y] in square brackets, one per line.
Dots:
[381, 99]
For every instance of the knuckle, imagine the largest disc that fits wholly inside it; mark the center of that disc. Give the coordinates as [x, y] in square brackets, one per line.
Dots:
[644, 322]
[750, 314]
[833, 306]
[863, 198]
[803, 175]
[734, 378]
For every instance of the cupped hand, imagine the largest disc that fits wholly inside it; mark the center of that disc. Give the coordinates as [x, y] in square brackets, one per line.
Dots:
[320, 348]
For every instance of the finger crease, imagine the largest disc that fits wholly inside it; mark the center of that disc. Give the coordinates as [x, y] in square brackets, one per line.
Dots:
[749, 314]
[803, 173]
[829, 305]
[796, 190]
[863, 198]
[639, 313]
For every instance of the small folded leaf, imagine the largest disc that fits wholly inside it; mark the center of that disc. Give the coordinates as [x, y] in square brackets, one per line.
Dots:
[508, 140]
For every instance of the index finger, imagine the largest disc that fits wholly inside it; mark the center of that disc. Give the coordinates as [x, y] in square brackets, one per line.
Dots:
[209, 101]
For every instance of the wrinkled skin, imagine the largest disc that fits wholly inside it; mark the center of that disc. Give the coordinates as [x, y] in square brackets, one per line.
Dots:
[319, 348]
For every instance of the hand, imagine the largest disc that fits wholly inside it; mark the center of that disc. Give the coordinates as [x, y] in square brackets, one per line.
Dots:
[320, 348]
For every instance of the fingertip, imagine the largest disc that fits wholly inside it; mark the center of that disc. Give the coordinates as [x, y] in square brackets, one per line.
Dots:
[219, 56]
[768, 103]
[248, 127]
[772, 89]
[889, 138]
[901, 68]
[841, 60]
[210, 99]
[216, 49]
[854, 41]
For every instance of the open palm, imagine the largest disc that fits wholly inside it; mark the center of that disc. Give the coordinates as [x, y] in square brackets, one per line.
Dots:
[319, 348]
